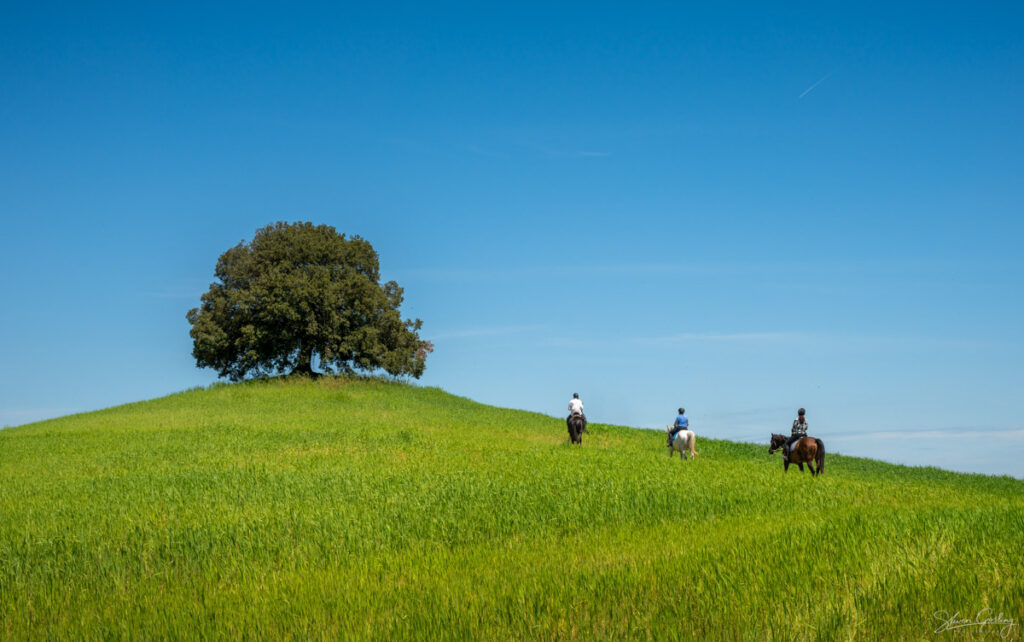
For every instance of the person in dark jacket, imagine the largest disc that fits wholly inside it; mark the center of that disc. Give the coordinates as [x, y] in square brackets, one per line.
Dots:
[799, 431]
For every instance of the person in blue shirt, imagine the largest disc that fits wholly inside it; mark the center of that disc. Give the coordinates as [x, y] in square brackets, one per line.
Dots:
[682, 423]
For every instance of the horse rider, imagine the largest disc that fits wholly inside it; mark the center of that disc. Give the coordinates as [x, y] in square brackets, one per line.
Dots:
[798, 433]
[576, 408]
[682, 423]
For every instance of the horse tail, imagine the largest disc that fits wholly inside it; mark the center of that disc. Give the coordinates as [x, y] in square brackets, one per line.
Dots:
[820, 459]
[575, 423]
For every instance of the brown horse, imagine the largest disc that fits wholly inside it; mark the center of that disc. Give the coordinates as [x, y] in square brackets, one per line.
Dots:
[807, 450]
[576, 427]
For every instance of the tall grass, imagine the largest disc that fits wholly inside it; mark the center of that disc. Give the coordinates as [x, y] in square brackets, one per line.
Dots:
[346, 508]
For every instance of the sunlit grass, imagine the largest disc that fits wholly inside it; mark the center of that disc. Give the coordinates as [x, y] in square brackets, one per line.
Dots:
[358, 508]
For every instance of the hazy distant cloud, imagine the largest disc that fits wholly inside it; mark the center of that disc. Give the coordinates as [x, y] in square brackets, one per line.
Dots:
[621, 268]
[724, 336]
[484, 331]
[19, 416]
[863, 342]
[564, 149]
[512, 273]
[818, 82]
[494, 148]
[480, 151]
[578, 153]
[936, 433]
[792, 272]
[184, 289]
[680, 338]
[823, 342]
[409, 145]
[743, 414]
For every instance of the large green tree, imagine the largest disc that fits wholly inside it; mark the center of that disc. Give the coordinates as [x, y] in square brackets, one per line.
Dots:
[297, 292]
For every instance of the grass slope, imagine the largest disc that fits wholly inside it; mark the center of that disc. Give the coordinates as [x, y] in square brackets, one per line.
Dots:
[352, 508]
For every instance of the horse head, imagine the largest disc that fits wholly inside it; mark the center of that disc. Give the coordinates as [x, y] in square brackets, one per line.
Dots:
[777, 442]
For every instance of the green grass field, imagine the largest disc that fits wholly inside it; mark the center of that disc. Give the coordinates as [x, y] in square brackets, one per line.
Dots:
[339, 509]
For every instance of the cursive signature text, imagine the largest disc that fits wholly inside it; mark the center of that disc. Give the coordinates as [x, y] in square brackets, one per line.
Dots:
[983, 621]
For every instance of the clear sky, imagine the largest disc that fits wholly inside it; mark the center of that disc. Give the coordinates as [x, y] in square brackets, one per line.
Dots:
[735, 208]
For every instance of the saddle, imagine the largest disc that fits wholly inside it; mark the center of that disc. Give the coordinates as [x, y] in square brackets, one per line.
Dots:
[680, 433]
[788, 450]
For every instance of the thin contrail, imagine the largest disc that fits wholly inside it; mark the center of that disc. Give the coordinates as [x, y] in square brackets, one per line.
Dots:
[820, 80]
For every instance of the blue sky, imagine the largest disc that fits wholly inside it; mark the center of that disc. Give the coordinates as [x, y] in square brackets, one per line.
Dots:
[735, 208]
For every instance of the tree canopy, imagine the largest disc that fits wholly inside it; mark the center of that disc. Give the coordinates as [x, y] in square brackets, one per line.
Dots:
[300, 291]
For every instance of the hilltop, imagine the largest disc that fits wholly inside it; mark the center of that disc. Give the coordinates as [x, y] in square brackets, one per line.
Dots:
[341, 508]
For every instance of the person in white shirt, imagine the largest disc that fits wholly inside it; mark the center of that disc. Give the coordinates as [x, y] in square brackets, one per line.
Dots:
[576, 408]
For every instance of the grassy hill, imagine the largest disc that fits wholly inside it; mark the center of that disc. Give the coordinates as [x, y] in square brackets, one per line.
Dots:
[356, 508]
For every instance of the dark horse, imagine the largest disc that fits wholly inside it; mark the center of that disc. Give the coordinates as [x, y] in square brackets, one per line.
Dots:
[808, 451]
[575, 423]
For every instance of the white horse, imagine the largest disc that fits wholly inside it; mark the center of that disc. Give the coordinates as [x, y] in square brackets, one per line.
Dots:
[684, 442]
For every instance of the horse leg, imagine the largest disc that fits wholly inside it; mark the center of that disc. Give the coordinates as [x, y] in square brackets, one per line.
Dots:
[801, 466]
[785, 465]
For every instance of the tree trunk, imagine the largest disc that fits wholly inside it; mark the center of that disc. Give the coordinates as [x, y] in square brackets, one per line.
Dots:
[305, 363]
